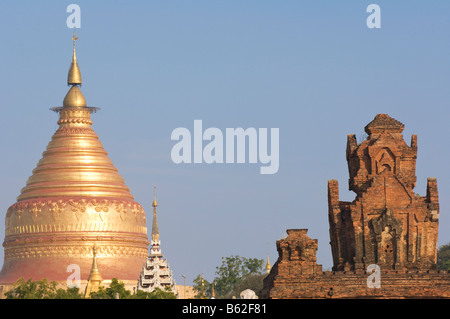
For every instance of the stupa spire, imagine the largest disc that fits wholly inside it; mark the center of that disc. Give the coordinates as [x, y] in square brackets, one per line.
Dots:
[155, 271]
[95, 278]
[94, 270]
[74, 76]
[155, 229]
[74, 97]
[268, 267]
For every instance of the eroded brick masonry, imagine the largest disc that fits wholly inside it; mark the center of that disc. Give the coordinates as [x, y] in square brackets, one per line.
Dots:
[387, 224]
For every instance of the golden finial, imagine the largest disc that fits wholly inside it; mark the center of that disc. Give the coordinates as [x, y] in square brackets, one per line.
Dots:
[74, 39]
[74, 77]
[213, 293]
[268, 267]
[154, 196]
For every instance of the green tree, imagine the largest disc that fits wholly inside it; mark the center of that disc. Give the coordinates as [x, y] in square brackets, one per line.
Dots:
[443, 257]
[40, 289]
[30, 289]
[234, 270]
[114, 288]
[253, 282]
[69, 293]
[202, 287]
[155, 294]
[235, 273]
[100, 294]
[117, 287]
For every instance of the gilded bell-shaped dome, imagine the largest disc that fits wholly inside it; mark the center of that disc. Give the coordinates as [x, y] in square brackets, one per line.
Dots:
[74, 97]
[74, 198]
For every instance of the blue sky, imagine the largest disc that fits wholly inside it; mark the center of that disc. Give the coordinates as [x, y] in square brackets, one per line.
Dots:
[310, 68]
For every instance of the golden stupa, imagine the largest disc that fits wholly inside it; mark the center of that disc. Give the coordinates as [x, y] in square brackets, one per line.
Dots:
[95, 278]
[75, 199]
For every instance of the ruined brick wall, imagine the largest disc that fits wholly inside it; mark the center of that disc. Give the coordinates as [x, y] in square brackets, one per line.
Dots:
[386, 225]
[407, 284]
[296, 275]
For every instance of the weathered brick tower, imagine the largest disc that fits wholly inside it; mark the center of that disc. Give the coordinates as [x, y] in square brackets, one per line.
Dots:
[386, 225]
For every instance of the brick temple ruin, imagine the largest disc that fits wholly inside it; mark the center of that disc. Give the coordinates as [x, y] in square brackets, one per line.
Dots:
[387, 225]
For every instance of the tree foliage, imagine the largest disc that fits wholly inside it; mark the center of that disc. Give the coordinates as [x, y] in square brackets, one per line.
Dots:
[117, 287]
[114, 288]
[443, 257]
[202, 287]
[155, 294]
[235, 273]
[40, 289]
[253, 282]
[69, 293]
